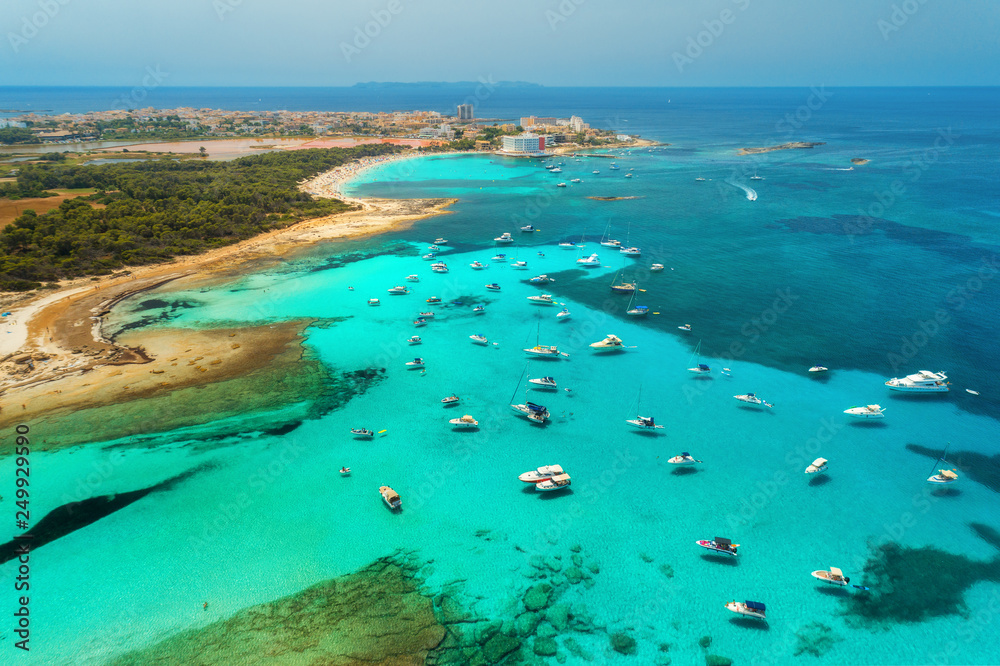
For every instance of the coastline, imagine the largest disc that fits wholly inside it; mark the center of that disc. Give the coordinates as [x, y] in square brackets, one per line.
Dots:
[54, 347]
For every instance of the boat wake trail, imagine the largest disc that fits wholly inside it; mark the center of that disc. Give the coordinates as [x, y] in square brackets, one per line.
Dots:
[751, 193]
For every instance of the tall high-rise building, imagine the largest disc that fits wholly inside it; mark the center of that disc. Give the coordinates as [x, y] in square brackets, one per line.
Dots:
[465, 112]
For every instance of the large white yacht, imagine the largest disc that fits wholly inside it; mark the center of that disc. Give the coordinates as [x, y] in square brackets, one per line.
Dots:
[610, 343]
[923, 381]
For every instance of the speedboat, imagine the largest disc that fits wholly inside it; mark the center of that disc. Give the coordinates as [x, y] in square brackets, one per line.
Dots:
[362, 433]
[656, 268]
[866, 412]
[610, 343]
[519, 265]
[613, 167]
[479, 309]
[543, 382]
[547, 351]
[595, 171]
[701, 369]
[429, 256]
[611, 242]
[699, 178]
[555, 170]
[644, 423]
[543, 473]
[834, 576]
[391, 497]
[415, 363]
[752, 399]
[433, 248]
[413, 278]
[440, 241]
[433, 299]
[590, 262]
[528, 228]
[557, 482]
[426, 315]
[563, 314]
[450, 400]
[399, 290]
[685, 327]
[923, 381]
[493, 286]
[818, 368]
[536, 413]
[479, 339]
[499, 257]
[542, 299]
[628, 175]
[719, 545]
[568, 246]
[749, 608]
[414, 340]
[944, 476]
[540, 279]
[419, 321]
[630, 251]
[439, 267]
[683, 459]
[817, 466]
[504, 238]
[465, 422]
[373, 301]
[560, 184]
[575, 180]
[345, 471]
[477, 266]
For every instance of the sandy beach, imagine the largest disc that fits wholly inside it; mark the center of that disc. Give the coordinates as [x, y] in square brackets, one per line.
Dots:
[54, 356]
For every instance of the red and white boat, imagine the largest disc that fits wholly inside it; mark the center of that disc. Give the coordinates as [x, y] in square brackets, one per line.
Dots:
[720, 545]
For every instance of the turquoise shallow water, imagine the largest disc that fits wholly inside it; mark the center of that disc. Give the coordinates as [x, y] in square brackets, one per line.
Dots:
[265, 516]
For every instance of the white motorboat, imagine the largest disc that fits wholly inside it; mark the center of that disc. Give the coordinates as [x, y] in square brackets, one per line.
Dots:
[817, 466]
[563, 314]
[390, 497]
[542, 299]
[528, 228]
[397, 290]
[477, 266]
[752, 399]
[943, 476]
[541, 279]
[373, 301]
[415, 363]
[493, 286]
[596, 171]
[701, 369]
[628, 175]
[699, 179]
[685, 327]
[450, 400]
[656, 268]
[345, 471]
[439, 267]
[720, 545]
[519, 265]
[534, 412]
[504, 238]
[555, 170]
[479, 339]
[644, 423]
[613, 167]
[834, 576]
[560, 184]
[362, 433]
[433, 248]
[413, 278]
[866, 412]
[923, 381]
[419, 321]
[610, 343]
[818, 368]
[557, 482]
[479, 309]
[543, 473]
[500, 258]
[749, 608]
[630, 251]
[426, 315]
[543, 382]
[593, 261]
[464, 422]
[575, 180]
[683, 459]
[440, 241]
[568, 246]
[414, 340]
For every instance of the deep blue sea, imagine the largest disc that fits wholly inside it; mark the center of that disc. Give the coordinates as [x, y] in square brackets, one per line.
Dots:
[777, 261]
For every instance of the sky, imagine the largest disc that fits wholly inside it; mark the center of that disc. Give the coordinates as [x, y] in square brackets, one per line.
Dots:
[551, 42]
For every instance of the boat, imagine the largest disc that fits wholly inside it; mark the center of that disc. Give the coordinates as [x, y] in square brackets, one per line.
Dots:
[563, 314]
[749, 608]
[817, 466]
[541, 279]
[628, 175]
[479, 339]
[426, 315]
[528, 228]
[477, 266]
[756, 177]
[543, 382]
[440, 267]
[413, 278]
[575, 180]
[362, 433]
[399, 290]
[414, 340]
[610, 343]
[534, 412]
[595, 171]
[415, 363]
[433, 248]
[504, 238]
[560, 184]
[923, 381]
[345, 471]
[465, 422]
[620, 286]
[685, 327]
[450, 400]
[701, 368]
[479, 309]
[557, 482]
[373, 301]
[834, 576]
[429, 256]
[866, 412]
[699, 179]
[752, 399]
[818, 368]
[613, 167]
[630, 251]
[440, 241]
[643, 422]
[419, 321]
[656, 268]
[590, 262]
[433, 299]
[543, 473]
[519, 265]
[606, 240]
[542, 299]
[502, 258]
[683, 459]
[493, 286]
[636, 310]
[567, 246]
[556, 170]
[391, 497]
[545, 351]
[720, 545]
[943, 476]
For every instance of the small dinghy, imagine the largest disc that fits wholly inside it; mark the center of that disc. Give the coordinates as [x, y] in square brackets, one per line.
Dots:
[345, 471]
[450, 400]
[362, 433]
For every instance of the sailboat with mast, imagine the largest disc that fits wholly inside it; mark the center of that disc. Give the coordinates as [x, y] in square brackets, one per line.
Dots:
[619, 285]
[701, 368]
[633, 309]
[532, 411]
[643, 422]
[606, 240]
[629, 250]
[943, 476]
[544, 351]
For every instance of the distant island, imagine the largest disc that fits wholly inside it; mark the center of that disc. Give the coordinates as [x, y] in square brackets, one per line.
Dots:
[784, 146]
[859, 160]
[612, 198]
[444, 84]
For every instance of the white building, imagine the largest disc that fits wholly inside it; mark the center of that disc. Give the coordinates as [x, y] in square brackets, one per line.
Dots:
[522, 144]
[465, 112]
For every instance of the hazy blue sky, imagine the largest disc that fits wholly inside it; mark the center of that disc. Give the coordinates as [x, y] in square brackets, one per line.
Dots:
[553, 42]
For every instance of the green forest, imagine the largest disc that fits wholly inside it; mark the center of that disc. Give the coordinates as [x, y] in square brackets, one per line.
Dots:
[156, 210]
